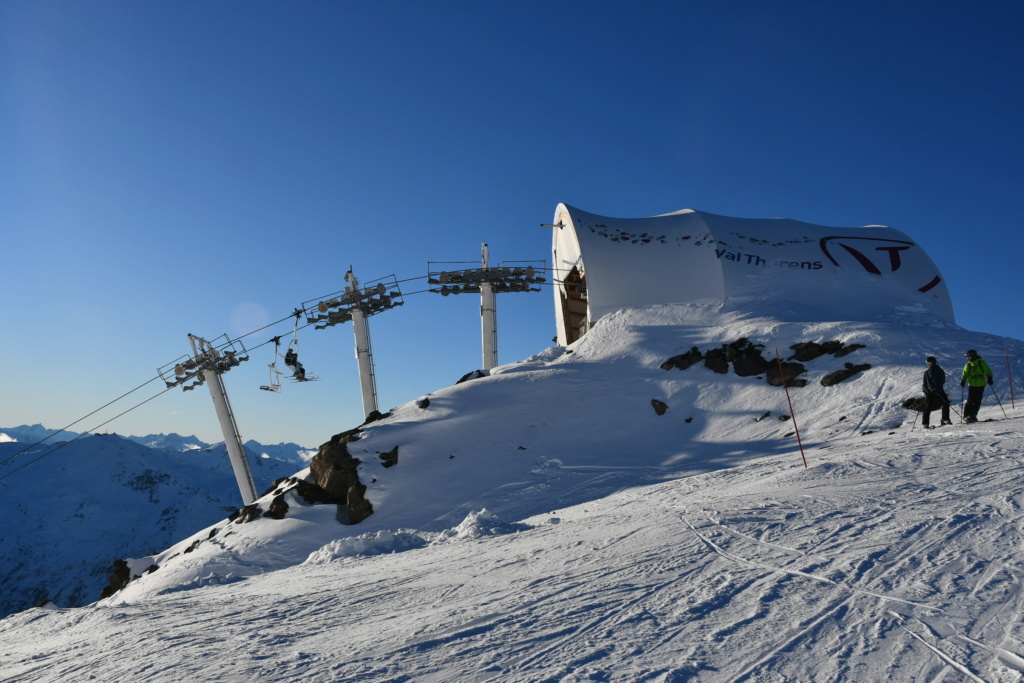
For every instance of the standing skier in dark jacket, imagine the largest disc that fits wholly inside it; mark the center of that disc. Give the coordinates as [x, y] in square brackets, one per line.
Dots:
[934, 386]
[976, 374]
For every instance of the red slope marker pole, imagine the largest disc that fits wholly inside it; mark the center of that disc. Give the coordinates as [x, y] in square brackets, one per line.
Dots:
[790, 402]
[1009, 374]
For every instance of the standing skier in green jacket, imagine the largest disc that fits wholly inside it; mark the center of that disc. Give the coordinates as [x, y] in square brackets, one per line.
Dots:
[976, 375]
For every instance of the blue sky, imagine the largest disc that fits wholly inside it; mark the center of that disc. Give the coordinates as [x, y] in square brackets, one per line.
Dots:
[168, 168]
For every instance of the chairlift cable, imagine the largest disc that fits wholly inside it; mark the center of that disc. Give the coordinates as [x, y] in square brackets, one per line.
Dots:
[226, 344]
[265, 327]
[66, 427]
[410, 279]
[124, 395]
[325, 297]
[86, 433]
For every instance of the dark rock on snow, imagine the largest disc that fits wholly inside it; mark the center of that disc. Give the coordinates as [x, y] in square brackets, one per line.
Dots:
[335, 470]
[808, 351]
[683, 361]
[246, 514]
[838, 376]
[474, 375]
[119, 578]
[716, 361]
[747, 360]
[278, 508]
[374, 416]
[792, 372]
[389, 458]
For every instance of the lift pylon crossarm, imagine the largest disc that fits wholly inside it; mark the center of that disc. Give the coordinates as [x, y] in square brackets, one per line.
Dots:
[368, 301]
[376, 298]
[333, 318]
[383, 302]
[501, 278]
[357, 295]
[205, 357]
[487, 281]
[180, 371]
[354, 296]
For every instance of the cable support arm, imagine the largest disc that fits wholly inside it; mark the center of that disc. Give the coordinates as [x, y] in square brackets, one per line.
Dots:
[502, 278]
[369, 300]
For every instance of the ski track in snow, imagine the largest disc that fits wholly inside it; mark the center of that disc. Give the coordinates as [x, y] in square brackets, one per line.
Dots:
[733, 589]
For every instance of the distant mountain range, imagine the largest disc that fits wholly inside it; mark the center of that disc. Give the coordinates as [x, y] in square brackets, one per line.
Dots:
[30, 434]
[81, 506]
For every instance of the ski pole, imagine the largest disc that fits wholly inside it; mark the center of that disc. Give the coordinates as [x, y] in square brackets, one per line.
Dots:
[950, 405]
[997, 399]
[918, 412]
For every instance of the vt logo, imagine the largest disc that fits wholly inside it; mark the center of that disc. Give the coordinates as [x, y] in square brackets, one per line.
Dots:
[873, 253]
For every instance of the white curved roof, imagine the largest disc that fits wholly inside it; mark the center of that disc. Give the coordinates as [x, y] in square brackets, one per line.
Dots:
[782, 267]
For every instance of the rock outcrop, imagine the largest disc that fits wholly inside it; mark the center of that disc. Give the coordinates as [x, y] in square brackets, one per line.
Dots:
[747, 360]
[846, 373]
[684, 360]
[334, 470]
[790, 371]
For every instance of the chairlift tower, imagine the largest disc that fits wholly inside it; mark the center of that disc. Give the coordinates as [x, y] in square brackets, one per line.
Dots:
[206, 365]
[364, 352]
[488, 317]
[488, 282]
[358, 305]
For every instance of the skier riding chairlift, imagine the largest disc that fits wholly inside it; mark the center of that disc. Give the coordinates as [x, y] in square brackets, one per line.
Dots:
[291, 361]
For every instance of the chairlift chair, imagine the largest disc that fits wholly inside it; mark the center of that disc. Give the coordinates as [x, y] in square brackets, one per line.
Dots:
[275, 374]
[295, 342]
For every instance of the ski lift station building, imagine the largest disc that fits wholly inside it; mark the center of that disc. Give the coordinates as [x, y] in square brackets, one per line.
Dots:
[788, 268]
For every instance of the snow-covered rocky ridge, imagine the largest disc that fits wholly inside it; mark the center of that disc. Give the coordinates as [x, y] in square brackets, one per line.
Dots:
[546, 523]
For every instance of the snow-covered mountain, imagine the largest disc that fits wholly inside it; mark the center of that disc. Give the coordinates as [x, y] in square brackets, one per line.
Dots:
[97, 498]
[287, 452]
[31, 434]
[612, 511]
[172, 442]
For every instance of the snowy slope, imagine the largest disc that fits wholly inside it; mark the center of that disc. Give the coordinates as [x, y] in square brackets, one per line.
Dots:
[618, 544]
